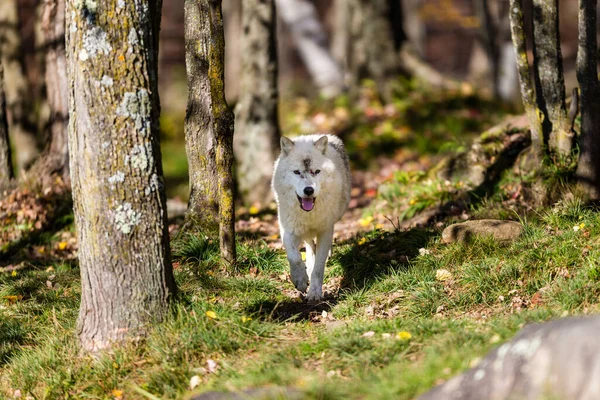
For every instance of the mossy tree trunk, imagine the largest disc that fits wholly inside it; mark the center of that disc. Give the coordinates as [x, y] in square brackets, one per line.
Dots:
[18, 95]
[209, 126]
[6, 168]
[527, 89]
[117, 179]
[588, 168]
[257, 123]
[55, 159]
[549, 79]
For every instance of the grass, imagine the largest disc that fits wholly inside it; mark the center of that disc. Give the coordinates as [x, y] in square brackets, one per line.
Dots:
[391, 325]
[263, 336]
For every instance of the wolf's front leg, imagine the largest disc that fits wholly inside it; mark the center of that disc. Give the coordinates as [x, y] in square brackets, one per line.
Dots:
[310, 255]
[297, 268]
[324, 240]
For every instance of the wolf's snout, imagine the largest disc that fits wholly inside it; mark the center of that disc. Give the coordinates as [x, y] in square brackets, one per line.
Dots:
[309, 191]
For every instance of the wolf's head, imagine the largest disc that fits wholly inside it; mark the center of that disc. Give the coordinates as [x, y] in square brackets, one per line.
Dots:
[305, 164]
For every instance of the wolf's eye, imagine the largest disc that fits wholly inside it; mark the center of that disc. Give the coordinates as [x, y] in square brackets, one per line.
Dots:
[317, 171]
[297, 172]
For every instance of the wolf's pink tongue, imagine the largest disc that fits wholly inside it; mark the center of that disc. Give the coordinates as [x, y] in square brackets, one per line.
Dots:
[307, 204]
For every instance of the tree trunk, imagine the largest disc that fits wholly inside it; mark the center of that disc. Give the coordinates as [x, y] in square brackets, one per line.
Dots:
[549, 80]
[257, 122]
[6, 168]
[588, 168]
[379, 49]
[300, 17]
[488, 37]
[209, 125]
[375, 38]
[55, 159]
[18, 104]
[232, 22]
[527, 90]
[117, 178]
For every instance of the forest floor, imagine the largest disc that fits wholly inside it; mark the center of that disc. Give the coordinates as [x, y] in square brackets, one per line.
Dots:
[402, 311]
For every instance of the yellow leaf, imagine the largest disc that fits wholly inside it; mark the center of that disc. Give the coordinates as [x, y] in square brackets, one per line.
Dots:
[115, 365]
[117, 393]
[12, 299]
[62, 245]
[403, 335]
[443, 275]
[365, 221]
[211, 314]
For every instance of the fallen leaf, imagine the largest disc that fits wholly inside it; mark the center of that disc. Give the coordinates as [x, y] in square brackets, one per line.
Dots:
[194, 382]
[211, 314]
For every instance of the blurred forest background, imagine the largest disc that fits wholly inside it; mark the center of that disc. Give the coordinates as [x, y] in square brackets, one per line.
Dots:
[452, 37]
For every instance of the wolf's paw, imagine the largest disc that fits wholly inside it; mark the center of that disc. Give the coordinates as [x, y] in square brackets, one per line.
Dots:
[314, 294]
[300, 280]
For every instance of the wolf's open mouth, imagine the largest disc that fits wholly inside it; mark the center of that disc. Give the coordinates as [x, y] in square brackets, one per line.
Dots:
[306, 203]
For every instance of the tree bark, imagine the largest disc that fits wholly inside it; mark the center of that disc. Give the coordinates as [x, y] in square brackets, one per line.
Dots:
[527, 90]
[549, 79]
[18, 105]
[300, 16]
[588, 167]
[118, 190]
[55, 158]
[488, 37]
[257, 123]
[209, 125]
[375, 39]
[6, 168]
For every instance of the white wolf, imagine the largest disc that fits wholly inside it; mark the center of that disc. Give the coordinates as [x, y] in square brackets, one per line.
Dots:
[312, 184]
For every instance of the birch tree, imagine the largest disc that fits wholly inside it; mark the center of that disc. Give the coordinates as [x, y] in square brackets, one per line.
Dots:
[208, 126]
[117, 179]
[256, 140]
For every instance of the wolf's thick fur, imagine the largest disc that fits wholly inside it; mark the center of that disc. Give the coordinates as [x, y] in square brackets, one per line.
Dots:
[312, 184]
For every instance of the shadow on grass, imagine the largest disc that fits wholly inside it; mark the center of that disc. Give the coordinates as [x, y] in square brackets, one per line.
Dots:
[12, 335]
[380, 255]
[292, 310]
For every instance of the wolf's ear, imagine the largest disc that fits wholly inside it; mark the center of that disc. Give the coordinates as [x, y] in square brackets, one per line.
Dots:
[286, 145]
[321, 144]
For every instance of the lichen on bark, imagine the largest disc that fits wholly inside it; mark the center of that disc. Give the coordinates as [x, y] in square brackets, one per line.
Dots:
[119, 197]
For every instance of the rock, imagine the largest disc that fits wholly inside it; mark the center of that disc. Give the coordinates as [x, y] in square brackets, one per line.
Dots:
[267, 393]
[554, 360]
[503, 231]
